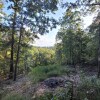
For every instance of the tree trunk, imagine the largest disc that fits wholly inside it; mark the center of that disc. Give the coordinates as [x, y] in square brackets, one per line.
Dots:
[70, 50]
[12, 47]
[18, 50]
[99, 52]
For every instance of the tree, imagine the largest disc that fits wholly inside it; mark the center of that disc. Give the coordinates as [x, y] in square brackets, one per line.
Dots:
[15, 9]
[99, 53]
[85, 6]
[1, 6]
[95, 30]
[69, 34]
[34, 17]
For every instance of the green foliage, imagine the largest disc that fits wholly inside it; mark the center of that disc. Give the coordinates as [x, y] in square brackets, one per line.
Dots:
[75, 45]
[71, 38]
[15, 97]
[89, 89]
[60, 94]
[85, 6]
[46, 96]
[42, 56]
[20, 27]
[29, 57]
[40, 73]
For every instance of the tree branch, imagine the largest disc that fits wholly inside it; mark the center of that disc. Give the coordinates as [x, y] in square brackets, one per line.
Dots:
[94, 4]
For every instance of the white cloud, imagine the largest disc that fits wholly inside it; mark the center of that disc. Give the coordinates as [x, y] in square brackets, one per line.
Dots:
[88, 20]
[1, 15]
[45, 40]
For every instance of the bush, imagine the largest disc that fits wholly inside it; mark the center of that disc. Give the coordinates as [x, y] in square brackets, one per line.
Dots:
[89, 89]
[54, 73]
[57, 95]
[40, 73]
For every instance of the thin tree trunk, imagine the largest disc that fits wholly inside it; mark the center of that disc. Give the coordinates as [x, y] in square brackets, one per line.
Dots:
[72, 91]
[80, 51]
[18, 51]
[70, 50]
[12, 47]
[99, 53]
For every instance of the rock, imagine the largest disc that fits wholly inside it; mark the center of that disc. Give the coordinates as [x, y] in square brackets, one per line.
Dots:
[54, 82]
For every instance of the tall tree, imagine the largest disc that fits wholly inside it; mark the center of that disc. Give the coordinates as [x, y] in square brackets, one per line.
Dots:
[99, 53]
[15, 9]
[70, 25]
[86, 6]
[34, 17]
[95, 31]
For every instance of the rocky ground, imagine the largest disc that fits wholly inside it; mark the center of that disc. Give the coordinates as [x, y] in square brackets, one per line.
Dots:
[24, 85]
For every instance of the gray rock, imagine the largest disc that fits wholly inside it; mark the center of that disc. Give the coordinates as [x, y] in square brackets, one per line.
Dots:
[54, 82]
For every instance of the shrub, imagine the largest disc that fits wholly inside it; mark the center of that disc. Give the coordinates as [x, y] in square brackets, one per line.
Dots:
[57, 95]
[89, 89]
[40, 73]
[54, 73]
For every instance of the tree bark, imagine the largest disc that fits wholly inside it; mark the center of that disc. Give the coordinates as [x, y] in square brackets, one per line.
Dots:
[18, 50]
[99, 52]
[12, 47]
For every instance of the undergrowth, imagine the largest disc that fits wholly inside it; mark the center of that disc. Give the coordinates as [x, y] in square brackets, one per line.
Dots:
[61, 94]
[89, 89]
[15, 96]
[40, 73]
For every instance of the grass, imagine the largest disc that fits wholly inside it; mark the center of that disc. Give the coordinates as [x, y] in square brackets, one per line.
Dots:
[15, 96]
[89, 89]
[40, 73]
[57, 95]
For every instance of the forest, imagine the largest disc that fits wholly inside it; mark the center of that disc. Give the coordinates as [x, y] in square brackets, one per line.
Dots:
[68, 70]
